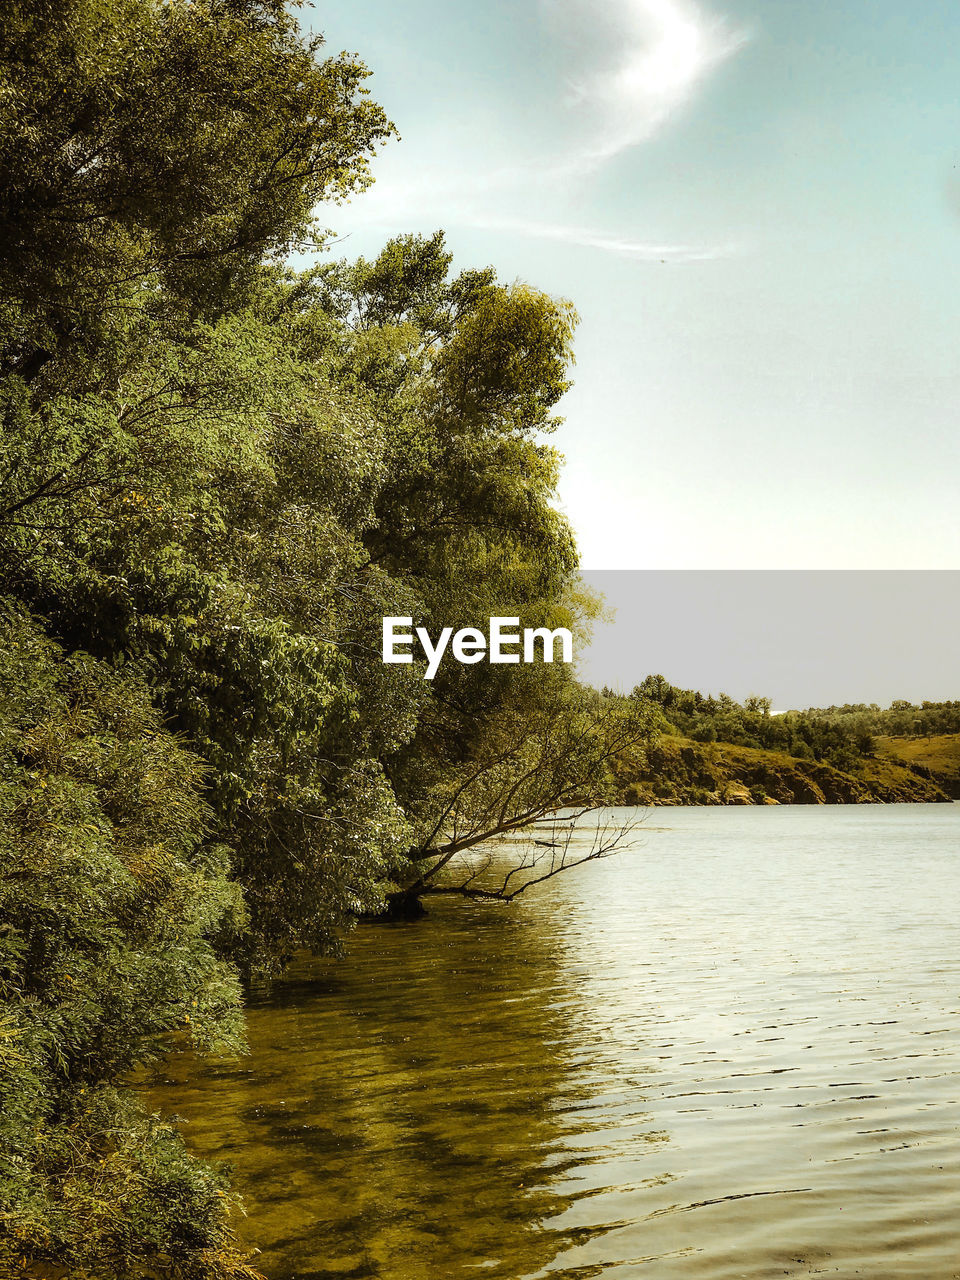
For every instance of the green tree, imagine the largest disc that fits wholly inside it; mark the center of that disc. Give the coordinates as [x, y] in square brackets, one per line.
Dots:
[465, 375]
[217, 475]
[111, 901]
[158, 150]
[175, 485]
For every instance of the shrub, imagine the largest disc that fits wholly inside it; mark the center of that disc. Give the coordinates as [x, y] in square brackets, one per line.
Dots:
[110, 898]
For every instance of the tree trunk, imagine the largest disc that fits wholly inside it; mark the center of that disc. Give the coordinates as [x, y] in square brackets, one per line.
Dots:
[404, 905]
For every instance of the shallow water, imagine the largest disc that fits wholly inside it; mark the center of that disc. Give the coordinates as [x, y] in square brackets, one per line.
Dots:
[730, 1051]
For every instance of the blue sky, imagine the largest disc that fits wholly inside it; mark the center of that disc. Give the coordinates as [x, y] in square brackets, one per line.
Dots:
[755, 208]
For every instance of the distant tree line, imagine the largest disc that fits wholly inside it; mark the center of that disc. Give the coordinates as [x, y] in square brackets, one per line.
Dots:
[900, 719]
[840, 736]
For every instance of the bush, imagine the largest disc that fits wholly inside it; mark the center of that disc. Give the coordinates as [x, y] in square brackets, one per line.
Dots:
[110, 898]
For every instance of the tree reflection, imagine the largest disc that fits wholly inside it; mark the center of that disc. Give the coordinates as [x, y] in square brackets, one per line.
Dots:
[422, 1107]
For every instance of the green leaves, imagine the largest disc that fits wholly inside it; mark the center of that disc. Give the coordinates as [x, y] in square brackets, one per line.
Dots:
[110, 902]
[160, 144]
[504, 367]
[217, 475]
[184, 490]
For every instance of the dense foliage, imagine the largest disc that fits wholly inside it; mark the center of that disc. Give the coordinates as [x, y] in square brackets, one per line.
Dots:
[217, 475]
[111, 899]
[924, 719]
[841, 736]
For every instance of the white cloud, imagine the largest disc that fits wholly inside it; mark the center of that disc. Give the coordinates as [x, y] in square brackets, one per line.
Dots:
[631, 64]
[622, 246]
[645, 59]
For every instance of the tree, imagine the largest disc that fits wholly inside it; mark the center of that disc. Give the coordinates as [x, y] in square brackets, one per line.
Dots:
[157, 151]
[157, 159]
[217, 475]
[541, 763]
[151, 155]
[465, 374]
[227, 557]
[111, 901]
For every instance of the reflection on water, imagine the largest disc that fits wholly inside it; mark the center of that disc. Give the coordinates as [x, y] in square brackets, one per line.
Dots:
[730, 1051]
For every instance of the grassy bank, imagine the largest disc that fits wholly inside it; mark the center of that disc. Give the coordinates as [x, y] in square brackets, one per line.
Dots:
[681, 771]
[938, 756]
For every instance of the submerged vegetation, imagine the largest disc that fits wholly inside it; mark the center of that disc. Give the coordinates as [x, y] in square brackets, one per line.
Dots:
[218, 474]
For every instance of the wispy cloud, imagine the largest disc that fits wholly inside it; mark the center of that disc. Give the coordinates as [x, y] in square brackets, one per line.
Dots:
[647, 57]
[631, 66]
[622, 246]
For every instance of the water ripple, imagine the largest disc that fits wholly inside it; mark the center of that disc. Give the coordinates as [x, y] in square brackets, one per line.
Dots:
[730, 1054]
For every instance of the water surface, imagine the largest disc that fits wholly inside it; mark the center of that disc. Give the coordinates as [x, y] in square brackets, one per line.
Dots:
[730, 1051]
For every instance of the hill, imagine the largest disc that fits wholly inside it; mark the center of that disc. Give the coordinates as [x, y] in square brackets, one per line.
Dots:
[714, 750]
[679, 771]
[937, 757]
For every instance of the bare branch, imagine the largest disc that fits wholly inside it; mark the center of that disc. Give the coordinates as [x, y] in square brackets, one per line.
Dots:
[558, 855]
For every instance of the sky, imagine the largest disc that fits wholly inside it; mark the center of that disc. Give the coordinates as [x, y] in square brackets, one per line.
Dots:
[803, 638]
[755, 208]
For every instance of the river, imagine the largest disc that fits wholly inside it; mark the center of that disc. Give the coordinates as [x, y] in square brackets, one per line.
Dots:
[730, 1051]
